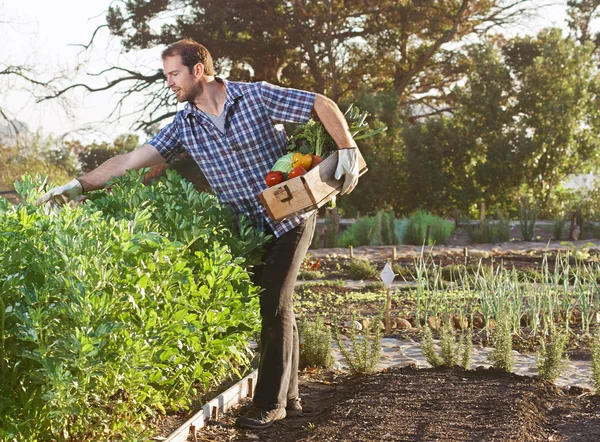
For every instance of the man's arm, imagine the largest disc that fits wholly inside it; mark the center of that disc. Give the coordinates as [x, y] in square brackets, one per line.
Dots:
[334, 122]
[144, 156]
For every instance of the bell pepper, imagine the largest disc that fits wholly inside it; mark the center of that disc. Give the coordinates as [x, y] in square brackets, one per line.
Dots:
[296, 171]
[274, 178]
[304, 160]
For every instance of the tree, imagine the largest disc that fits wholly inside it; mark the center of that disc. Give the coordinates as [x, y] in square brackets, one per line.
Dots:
[558, 118]
[581, 14]
[333, 47]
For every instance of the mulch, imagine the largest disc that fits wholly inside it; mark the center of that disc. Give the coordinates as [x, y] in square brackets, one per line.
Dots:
[409, 404]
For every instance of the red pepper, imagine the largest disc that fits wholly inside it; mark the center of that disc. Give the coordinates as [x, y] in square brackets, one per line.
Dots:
[297, 171]
[316, 159]
[274, 178]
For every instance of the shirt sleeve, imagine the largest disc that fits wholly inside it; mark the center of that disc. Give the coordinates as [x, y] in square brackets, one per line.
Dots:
[167, 142]
[286, 105]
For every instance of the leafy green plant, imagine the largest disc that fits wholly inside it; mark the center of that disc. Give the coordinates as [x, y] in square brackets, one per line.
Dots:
[120, 308]
[361, 233]
[527, 217]
[364, 352]
[416, 229]
[486, 231]
[551, 358]
[312, 137]
[307, 275]
[454, 350]
[315, 344]
[366, 230]
[501, 356]
[361, 269]
[595, 353]
[558, 227]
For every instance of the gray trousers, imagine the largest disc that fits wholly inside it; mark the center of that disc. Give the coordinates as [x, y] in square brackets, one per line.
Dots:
[279, 344]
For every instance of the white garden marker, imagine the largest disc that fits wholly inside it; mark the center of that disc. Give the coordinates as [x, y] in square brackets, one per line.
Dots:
[387, 275]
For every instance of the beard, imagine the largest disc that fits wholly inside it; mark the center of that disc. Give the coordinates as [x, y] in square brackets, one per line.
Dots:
[189, 95]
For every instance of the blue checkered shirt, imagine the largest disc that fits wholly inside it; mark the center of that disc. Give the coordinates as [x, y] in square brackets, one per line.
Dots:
[235, 163]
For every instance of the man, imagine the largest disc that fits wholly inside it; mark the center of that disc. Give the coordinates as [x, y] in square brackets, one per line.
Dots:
[231, 130]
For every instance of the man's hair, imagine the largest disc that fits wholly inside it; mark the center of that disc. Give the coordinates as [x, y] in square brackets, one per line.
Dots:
[191, 53]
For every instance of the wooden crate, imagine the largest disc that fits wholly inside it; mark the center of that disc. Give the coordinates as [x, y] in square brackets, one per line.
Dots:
[307, 192]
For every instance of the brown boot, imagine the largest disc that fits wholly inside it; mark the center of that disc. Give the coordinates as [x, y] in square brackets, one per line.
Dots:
[293, 408]
[257, 418]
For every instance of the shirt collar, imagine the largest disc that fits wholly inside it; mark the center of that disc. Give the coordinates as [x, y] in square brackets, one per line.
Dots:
[232, 92]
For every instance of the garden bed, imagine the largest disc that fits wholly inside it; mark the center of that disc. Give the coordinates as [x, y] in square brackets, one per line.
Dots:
[433, 404]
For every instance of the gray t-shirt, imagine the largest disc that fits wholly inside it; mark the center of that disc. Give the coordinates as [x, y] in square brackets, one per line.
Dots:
[218, 120]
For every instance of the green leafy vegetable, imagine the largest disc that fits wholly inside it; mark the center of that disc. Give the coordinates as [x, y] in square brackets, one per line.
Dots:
[119, 308]
[313, 138]
[284, 164]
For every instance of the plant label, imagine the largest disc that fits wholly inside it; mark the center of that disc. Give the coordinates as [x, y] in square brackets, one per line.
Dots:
[387, 275]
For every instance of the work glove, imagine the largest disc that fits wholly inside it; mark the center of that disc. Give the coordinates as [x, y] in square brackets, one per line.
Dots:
[63, 194]
[348, 167]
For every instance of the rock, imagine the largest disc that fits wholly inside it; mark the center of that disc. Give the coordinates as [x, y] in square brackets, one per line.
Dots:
[460, 322]
[353, 324]
[478, 322]
[402, 324]
[365, 323]
[434, 323]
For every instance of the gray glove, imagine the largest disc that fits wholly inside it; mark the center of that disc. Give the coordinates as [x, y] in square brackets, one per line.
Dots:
[348, 167]
[63, 194]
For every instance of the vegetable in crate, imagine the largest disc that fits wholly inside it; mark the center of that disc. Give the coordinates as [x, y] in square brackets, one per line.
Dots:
[274, 178]
[312, 138]
[297, 171]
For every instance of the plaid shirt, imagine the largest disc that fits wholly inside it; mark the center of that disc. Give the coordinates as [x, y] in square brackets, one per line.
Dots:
[235, 163]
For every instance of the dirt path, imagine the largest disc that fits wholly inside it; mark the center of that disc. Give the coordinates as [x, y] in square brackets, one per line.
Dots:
[428, 405]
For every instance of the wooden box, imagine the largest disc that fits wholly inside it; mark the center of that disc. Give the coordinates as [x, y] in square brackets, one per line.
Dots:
[307, 192]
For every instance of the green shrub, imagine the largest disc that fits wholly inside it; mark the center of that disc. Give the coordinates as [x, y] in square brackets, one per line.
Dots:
[364, 351]
[361, 269]
[364, 231]
[558, 228]
[527, 218]
[595, 353]
[315, 344]
[486, 232]
[416, 229]
[119, 308]
[307, 275]
[454, 350]
[361, 233]
[551, 358]
[501, 356]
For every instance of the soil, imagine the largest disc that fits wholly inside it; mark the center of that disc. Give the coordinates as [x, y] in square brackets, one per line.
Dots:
[407, 404]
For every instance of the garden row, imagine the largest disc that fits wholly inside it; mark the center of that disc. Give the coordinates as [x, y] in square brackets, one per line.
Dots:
[551, 311]
[117, 310]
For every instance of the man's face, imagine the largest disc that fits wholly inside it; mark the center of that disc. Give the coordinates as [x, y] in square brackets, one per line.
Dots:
[180, 80]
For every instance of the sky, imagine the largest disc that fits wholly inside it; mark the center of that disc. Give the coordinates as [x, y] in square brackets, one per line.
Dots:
[46, 34]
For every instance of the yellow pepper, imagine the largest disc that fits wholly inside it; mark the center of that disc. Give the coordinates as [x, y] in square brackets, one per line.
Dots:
[303, 160]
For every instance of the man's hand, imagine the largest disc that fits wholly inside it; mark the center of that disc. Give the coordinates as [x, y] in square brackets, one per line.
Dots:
[348, 167]
[63, 194]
